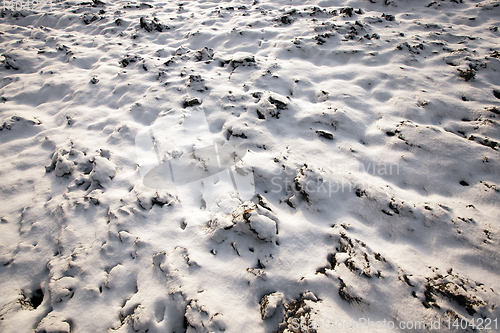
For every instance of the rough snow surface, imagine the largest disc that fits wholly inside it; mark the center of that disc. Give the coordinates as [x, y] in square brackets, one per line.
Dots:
[249, 166]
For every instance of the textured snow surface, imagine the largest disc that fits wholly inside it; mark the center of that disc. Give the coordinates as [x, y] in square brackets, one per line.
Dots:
[372, 128]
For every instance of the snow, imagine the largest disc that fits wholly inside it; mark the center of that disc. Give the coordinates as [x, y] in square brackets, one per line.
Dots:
[229, 166]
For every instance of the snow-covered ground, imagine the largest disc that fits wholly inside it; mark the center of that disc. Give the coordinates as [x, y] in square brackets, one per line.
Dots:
[313, 161]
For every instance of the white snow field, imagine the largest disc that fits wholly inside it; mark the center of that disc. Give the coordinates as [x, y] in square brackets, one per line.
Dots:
[314, 166]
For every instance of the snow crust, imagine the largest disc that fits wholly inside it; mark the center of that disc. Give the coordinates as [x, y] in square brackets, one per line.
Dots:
[358, 143]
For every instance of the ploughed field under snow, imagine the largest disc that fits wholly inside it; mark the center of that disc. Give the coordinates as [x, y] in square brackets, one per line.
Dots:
[309, 162]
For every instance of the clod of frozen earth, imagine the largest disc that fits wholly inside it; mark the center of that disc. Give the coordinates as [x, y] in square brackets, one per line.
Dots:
[270, 104]
[263, 226]
[260, 225]
[204, 54]
[269, 304]
[199, 320]
[53, 323]
[152, 25]
[301, 311]
[242, 59]
[104, 170]
[309, 296]
[10, 63]
[191, 102]
[63, 166]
